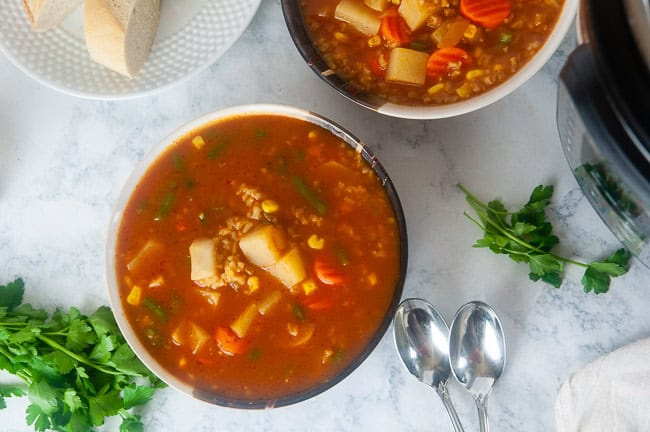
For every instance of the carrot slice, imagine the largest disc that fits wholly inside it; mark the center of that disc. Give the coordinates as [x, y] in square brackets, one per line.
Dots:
[487, 13]
[328, 272]
[228, 341]
[394, 29]
[441, 61]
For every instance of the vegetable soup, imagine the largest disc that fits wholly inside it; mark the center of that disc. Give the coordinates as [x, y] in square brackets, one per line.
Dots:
[258, 258]
[428, 52]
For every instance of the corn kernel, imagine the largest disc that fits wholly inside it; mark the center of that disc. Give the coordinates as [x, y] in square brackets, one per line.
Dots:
[464, 91]
[253, 283]
[374, 41]
[127, 280]
[270, 206]
[312, 135]
[372, 279]
[315, 242]
[182, 362]
[473, 74]
[497, 67]
[198, 142]
[309, 286]
[135, 296]
[435, 88]
[158, 281]
[341, 37]
[470, 31]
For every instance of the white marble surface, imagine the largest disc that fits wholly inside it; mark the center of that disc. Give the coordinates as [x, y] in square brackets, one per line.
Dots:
[63, 161]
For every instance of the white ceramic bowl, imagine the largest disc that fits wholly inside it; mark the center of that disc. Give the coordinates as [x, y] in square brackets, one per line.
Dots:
[192, 35]
[291, 9]
[132, 182]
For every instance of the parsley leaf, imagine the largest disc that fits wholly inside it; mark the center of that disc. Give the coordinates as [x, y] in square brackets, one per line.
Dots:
[37, 418]
[131, 423]
[72, 400]
[105, 405]
[526, 236]
[599, 273]
[8, 391]
[12, 294]
[135, 395]
[78, 369]
[44, 396]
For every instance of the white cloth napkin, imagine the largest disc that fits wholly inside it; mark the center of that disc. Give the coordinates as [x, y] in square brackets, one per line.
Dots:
[612, 394]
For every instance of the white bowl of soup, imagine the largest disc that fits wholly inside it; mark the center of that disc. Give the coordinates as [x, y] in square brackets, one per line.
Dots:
[256, 256]
[427, 59]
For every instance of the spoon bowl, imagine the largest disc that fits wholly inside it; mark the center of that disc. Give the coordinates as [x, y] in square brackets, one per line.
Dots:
[477, 352]
[422, 341]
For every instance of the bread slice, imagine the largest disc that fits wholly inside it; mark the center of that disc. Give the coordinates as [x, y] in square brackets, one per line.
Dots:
[119, 33]
[45, 14]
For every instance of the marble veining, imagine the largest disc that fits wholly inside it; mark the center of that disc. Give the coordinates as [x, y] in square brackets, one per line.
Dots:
[64, 160]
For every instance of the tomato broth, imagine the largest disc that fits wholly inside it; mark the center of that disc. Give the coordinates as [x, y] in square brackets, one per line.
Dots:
[258, 257]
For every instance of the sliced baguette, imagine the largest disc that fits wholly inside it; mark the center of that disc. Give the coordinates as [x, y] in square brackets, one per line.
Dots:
[45, 14]
[119, 33]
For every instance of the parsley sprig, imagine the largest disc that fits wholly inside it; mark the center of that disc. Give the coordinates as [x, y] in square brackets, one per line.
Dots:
[526, 236]
[77, 369]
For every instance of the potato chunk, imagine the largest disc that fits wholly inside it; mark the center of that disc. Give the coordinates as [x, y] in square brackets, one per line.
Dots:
[264, 246]
[290, 269]
[407, 66]
[268, 302]
[359, 16]
[144, 255]
[378, 5]
[203, 257]
[244, 321]
[415, 12]
[191, 335]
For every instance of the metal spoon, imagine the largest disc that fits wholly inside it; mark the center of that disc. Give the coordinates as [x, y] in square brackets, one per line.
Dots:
[422, 340]
[478, 353]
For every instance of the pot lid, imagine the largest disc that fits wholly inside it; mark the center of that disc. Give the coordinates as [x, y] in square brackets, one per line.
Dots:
[638, 15]
[623, 69]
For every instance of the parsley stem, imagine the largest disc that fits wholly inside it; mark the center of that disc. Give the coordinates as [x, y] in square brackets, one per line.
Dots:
[52, 343]
[505, 232]
[13, 324]
[81, 359]
[533, 248]
[25, 375]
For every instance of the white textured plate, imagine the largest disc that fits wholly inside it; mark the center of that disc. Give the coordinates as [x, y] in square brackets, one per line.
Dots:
[192, 34]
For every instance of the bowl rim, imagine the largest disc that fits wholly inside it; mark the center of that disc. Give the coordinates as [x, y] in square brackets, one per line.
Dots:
[141, 169]
[300, 38]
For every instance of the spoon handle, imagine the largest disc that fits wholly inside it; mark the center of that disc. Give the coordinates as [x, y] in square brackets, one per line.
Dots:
[481, 406]
[446, 401]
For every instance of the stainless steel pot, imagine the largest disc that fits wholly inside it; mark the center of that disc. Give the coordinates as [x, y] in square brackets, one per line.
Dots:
[604, 116]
